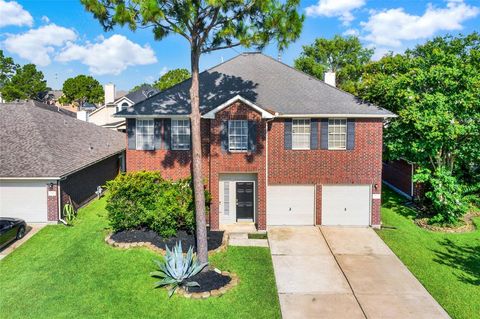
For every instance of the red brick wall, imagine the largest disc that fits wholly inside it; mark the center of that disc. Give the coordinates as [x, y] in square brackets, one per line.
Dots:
[172, 164]
[243, 162]
[52, 203]
[362, 165]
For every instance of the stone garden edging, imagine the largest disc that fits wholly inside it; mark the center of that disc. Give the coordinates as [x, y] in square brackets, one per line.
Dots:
[212, 293]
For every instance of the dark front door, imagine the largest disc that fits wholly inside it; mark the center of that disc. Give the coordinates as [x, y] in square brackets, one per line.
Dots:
[245, 200]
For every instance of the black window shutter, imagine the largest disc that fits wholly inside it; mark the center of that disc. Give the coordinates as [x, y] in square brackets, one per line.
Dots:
[224, 136]
[157, 133]
[324, 134]
[314, 134]
[132, 138]
[350, 134]
[252, 136]
[167, 124]
[287, 132]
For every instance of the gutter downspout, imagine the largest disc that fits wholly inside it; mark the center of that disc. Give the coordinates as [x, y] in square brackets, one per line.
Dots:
[266, 165]
[59, 197]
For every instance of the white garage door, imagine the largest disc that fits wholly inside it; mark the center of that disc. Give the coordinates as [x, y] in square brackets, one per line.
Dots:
[24, 199]
[346, 205]
[290, 205]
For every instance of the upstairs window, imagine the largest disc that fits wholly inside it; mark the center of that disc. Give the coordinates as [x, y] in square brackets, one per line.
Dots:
[145, 134]
[301, 134]
[122, 106]
[238, 135]
[180, 134]
[337, 134]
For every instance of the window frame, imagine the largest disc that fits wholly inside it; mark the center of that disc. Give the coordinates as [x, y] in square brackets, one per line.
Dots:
[122, 106]
[306, 124]
[344, 134]
[230, 135]
[138, 134]
[173, 134]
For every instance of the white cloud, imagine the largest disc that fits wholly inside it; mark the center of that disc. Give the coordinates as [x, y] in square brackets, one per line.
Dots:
[45, 19]
[335, 8]
[37, 45]
[390, 27]
[12, 13]
[163, 71]
[108, 56]
[351, 32]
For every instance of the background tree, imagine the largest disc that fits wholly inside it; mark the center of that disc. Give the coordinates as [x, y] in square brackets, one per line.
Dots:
[139, 86]
[81, 89]
[7, 69]
[206, 26]
[27, 83]
[171, 78]
[435, 90]
[343, 55]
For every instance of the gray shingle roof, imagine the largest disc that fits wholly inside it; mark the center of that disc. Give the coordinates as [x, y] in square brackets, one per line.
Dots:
[53, 108]
[36, 142]
[142, 93]
[266, 82]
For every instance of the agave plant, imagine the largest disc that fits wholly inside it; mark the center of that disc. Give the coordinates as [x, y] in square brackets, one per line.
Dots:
[176, 268]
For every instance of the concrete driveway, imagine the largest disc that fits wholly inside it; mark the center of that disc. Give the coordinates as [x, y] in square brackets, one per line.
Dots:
[339, 272]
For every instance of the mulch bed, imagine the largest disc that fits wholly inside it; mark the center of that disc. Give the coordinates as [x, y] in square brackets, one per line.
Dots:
[465, 225]
[209, 280]
[214, 238]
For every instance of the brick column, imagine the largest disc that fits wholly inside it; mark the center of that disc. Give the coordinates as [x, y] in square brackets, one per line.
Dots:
[52, 201]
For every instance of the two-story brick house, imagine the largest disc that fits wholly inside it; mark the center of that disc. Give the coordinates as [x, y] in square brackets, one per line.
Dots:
[279, 147]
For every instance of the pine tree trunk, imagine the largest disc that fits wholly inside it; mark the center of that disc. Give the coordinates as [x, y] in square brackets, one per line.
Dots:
[199, 193]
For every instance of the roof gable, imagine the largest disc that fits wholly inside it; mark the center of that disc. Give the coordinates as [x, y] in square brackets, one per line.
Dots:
[211, 114]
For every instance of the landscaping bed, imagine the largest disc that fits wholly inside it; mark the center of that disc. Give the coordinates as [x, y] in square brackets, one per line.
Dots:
[209, 280]
[215, 239]
[466, 224]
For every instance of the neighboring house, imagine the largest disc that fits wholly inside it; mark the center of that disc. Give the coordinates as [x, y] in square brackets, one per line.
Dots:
[53, 108]
[279, 147]
[49, 158]
[103, 116]
[399, 176]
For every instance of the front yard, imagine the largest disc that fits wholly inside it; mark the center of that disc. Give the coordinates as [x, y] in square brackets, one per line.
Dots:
[70, 272]
[448, 265]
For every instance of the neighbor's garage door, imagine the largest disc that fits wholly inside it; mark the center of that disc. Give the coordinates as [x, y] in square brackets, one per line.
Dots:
[24, 199]
[290, 205]
[347, 205]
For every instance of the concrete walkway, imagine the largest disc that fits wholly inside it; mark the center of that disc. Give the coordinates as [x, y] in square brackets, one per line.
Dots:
[336, 272]
[31, 230]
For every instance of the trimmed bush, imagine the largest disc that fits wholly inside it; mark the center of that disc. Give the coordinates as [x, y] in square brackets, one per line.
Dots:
[146, 200]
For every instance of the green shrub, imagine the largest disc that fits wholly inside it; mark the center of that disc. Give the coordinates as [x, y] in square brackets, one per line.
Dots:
[448, 198]
[144, 199]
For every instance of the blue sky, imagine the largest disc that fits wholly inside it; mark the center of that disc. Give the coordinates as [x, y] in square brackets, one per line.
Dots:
[64, 40]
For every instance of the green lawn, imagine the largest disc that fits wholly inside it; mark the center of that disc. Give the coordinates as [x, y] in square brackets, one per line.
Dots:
[70, 272]
[448, 265]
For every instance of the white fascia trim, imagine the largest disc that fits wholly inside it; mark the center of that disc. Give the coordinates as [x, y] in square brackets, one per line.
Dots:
[29, 178]
[120, 99]
[336, 115]
[211, 115]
